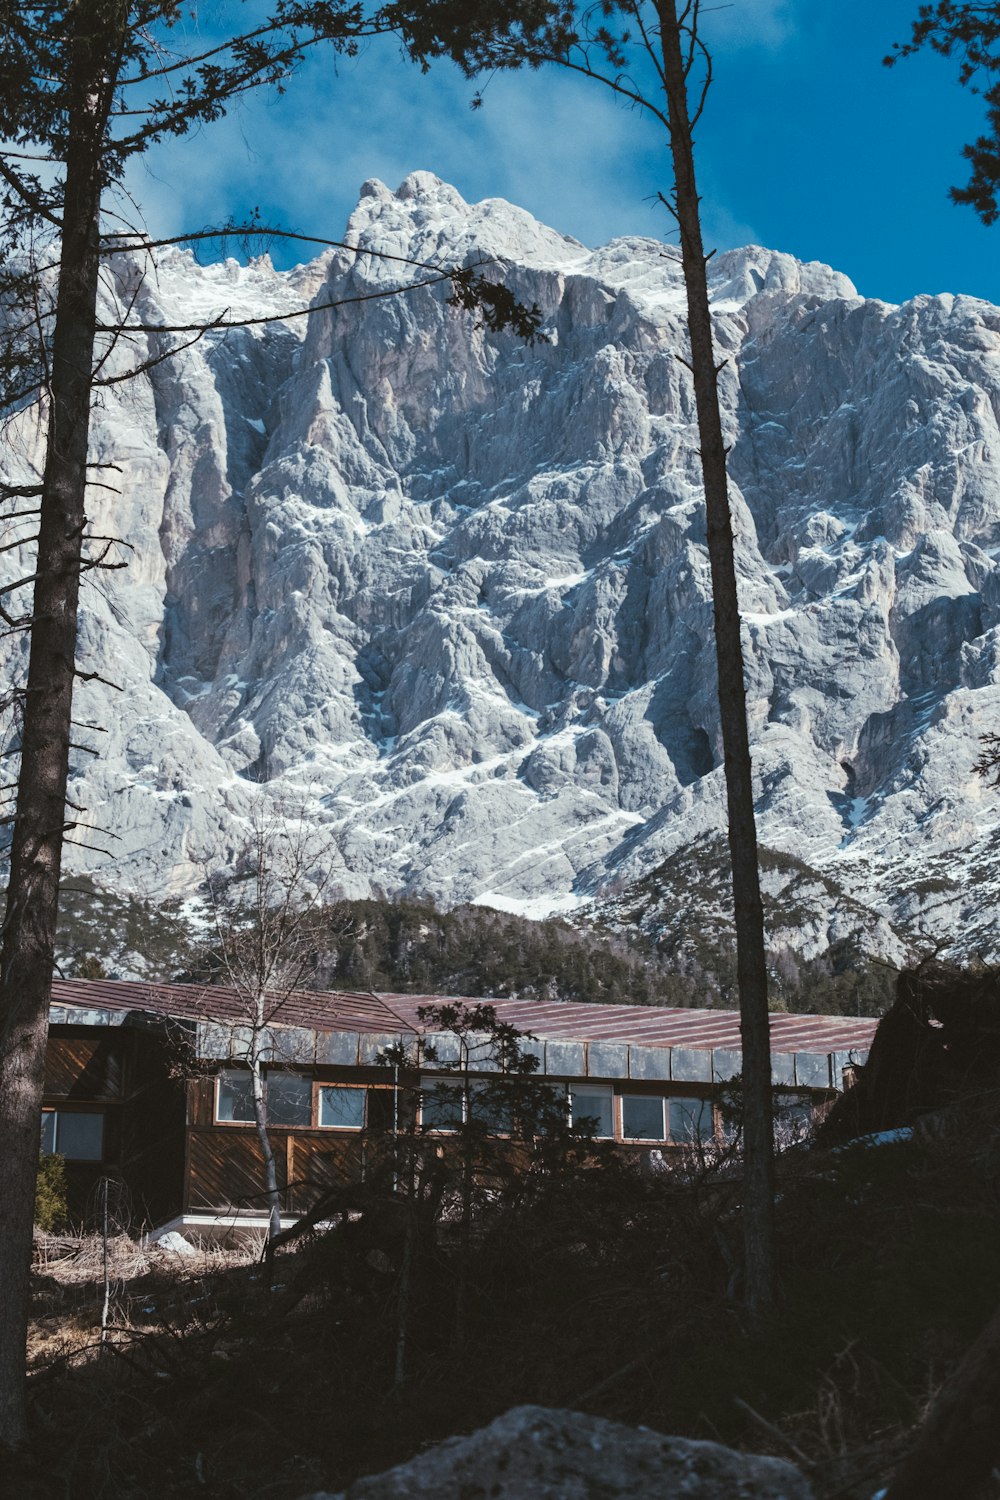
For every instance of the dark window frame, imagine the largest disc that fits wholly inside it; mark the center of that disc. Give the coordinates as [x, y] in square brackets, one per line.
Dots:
[54, 1112]
[698, 1106]
[456, 1085]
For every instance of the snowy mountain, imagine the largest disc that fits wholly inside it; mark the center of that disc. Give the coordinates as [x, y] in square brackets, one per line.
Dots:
[449, 593]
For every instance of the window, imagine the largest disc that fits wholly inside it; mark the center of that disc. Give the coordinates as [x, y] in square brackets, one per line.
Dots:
[78, 1137]
[288, 1097]
[642, 1117]
[389, 1109]
[493, 1109]
[234, 1100]
[341, 1108]
[793, 1119]
[595, 1106]
[442, 1106]
[691, 1121]
[345, 1106]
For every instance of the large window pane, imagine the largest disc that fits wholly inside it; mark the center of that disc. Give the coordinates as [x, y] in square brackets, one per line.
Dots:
[342, 1108]
[690, 1121]
[235, 1098]
[442, 1106]
[642, 1117]
[595, 1107]
[48, 1132]
[492, 1105]
[80, 1137]
[289, 1099]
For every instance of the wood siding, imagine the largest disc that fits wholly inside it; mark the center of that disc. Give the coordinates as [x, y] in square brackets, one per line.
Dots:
[84, 1066]
[125, 1076]
[225, 1167]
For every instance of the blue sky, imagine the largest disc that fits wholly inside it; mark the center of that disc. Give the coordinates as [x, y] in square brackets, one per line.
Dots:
[808, 145]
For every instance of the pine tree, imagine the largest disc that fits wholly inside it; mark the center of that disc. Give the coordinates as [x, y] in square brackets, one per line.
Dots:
[85, 87]
[599, 43]
[970, 32]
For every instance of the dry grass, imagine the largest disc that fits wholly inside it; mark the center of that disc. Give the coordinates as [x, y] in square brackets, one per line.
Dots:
[71, 1260]
[89, 1293]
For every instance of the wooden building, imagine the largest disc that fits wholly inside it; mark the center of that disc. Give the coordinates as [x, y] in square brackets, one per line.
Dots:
[114, 1104]
[145, 1084]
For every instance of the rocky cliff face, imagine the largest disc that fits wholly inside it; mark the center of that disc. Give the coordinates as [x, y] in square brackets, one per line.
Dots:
[450, 593]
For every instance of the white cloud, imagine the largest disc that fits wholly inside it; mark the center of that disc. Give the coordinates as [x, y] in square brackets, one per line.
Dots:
[748, 23]
[722, 230]
[559, 146]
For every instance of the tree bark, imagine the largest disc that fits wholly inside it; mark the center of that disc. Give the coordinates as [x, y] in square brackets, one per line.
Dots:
[758, 1127]
[26, 956]
[959, 1443]
[271, 1190]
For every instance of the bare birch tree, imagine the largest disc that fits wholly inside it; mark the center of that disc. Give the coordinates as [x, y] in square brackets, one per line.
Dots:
[269, 918]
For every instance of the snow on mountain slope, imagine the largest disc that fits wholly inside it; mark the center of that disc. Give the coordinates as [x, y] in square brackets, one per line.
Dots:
[450, 592]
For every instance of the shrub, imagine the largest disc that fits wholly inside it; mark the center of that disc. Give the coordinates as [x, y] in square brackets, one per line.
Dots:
[51, 1206]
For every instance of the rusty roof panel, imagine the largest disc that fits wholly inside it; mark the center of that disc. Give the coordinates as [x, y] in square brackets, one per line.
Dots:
[311, 1009]
[373, 1044]
[726, 1063]
[606, 1060]
[293, 1044]
[565, 1057]
[444, 1047]
[337, 1048]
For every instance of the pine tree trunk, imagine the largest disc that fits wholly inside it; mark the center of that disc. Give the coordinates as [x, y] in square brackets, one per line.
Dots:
[758, 1129]
[26, 958]
[404, 1299]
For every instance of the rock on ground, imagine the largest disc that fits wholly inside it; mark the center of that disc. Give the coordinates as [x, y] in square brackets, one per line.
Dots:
[532, 1453]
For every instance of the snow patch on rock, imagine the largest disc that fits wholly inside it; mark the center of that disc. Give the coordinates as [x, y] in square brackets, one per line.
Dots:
[449, 594]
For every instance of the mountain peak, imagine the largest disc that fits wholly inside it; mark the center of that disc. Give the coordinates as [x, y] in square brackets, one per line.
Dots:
[451, 592]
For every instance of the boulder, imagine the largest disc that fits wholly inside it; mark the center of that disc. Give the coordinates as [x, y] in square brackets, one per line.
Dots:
[533, 1453]
[174, 1243]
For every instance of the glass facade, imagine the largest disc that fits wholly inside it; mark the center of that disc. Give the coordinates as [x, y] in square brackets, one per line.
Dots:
[446, 1102]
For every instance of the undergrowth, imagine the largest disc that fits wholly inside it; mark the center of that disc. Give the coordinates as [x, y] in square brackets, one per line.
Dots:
[612, 1292]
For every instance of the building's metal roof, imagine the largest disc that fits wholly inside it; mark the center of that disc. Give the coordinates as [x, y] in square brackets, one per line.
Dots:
[340, 1011]
[655, 1025]
[319, 1010]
